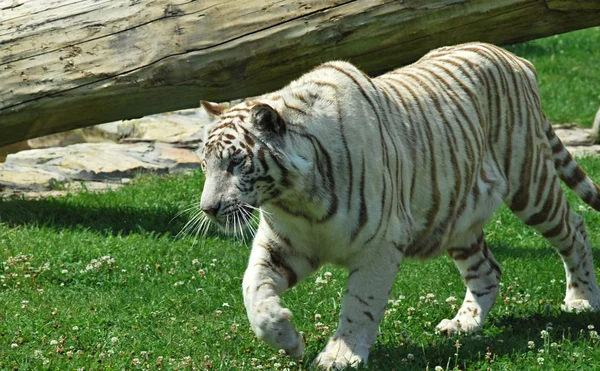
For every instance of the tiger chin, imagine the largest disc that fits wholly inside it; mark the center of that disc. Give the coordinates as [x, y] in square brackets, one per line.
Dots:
[362, 172]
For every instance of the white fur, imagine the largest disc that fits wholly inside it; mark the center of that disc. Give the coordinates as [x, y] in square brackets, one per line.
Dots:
[418, 167]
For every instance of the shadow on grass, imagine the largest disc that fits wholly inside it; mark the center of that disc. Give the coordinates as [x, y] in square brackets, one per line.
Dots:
[514, 334]
[103, 218]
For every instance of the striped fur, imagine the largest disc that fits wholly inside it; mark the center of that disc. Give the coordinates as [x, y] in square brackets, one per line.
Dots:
[361, 172]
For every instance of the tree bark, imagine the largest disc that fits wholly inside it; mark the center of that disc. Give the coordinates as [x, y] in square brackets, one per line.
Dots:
[72, 63]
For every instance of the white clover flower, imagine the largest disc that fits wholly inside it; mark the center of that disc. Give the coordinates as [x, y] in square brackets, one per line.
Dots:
[543, 334]
[195, 262]
[114, 340]
[530, 344]
[451, 300]
[439, 368]
[53, 342]
[75, 328]
[540, 360]
[320, 281]
[410, 357]
[14, 345]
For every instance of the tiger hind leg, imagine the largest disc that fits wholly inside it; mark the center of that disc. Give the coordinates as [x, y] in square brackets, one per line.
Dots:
[551, 215]
[481, 274]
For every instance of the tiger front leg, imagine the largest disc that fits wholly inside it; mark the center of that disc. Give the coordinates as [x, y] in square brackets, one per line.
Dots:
[481, 274]
[368, 288]
[272, 270]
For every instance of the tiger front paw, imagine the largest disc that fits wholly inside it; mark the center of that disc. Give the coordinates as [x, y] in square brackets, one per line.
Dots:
[339, 354]
[271, 324]
[581, 305]
[458, 326]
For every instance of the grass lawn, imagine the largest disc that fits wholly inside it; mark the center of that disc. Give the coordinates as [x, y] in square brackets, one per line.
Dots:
[568, 73]
[102, 281]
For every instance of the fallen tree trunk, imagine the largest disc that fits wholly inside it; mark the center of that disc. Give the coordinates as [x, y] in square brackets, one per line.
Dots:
[72, 63]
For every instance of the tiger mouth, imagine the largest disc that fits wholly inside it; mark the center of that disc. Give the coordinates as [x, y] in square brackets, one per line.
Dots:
[234, 218]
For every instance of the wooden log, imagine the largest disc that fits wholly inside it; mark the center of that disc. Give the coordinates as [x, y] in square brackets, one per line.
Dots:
[72, 63]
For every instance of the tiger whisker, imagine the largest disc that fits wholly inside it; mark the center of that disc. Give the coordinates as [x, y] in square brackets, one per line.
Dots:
[194, 220]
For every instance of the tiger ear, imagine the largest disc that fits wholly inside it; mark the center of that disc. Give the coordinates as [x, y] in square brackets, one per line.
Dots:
[265, 118]
[214, 110]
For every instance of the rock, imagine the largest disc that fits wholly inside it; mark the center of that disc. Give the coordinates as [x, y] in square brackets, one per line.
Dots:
[163, 143]
[61, 190]
[46, 169]
[183, 127]
[578, 140]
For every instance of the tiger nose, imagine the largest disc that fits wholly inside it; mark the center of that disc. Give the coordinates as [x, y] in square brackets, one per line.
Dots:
[211, 210]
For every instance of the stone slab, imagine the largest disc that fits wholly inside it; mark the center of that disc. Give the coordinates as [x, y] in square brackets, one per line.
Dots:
[44, 169]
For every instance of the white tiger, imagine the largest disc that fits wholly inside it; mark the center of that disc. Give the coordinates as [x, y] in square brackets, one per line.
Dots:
[362, 172]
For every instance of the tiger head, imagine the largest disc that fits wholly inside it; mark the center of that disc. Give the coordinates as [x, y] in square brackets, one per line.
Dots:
[244, 162]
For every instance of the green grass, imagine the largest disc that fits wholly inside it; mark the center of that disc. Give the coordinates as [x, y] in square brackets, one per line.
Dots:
[568, 73]
[176, 302]
[101, 281]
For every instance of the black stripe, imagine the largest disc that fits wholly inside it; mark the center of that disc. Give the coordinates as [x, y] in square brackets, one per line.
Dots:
[362, 213]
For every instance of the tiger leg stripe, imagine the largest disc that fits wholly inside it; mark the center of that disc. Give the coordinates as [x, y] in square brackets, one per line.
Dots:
[270, 272]
[582, 291]
[364, 303]
[481, 274]
[565, 231]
